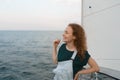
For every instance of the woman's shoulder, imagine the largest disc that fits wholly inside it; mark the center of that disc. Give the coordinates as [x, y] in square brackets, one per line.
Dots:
[87, 55]
[63, 45]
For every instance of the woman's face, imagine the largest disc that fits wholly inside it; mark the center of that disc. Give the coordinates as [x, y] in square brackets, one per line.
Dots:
[68, 35]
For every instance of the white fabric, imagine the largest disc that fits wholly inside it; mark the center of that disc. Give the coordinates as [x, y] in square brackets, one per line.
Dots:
[74, 54]
[64, 69]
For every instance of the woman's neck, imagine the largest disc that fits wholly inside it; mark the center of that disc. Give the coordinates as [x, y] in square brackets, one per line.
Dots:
[70, 46]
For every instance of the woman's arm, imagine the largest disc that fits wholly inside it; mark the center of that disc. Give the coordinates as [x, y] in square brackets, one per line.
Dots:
[54, 54]
[93, 68]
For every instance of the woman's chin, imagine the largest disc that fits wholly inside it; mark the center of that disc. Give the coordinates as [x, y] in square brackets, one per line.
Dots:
[64, 40]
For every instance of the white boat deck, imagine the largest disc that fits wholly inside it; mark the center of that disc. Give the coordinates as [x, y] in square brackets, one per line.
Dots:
[110, 72]
[103, 74]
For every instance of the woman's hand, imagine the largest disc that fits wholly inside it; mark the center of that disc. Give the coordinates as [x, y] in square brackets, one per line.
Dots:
[55, 43]
[77, 76]
[54, 55]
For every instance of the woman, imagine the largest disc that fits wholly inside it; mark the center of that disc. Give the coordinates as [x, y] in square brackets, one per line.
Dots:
[74, 38]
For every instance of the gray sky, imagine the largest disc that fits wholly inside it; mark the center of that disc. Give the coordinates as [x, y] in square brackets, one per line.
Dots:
[39, 14]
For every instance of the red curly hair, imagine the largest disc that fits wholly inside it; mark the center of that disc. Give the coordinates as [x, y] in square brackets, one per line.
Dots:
[80, 41]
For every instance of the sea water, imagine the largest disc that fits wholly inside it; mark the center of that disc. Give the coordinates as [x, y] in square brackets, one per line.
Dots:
[26, 55]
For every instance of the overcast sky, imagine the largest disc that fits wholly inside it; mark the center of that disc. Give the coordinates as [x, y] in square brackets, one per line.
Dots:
[39, 14]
